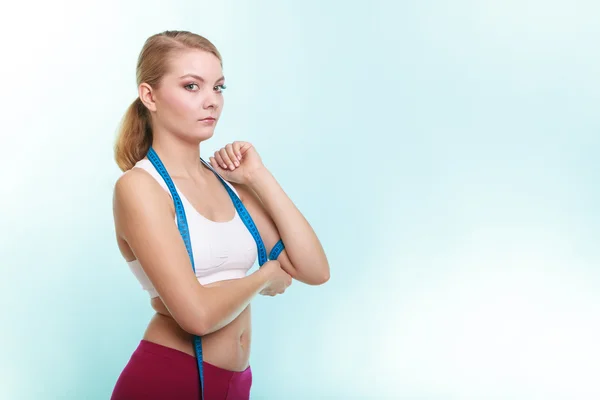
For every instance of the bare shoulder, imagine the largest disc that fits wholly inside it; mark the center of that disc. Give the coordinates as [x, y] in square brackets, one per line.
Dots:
[132, 182]
[136, 193]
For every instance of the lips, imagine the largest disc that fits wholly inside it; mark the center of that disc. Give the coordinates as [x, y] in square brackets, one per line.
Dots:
[207, 119]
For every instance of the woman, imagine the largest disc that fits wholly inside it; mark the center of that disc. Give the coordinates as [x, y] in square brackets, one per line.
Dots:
[201, 290]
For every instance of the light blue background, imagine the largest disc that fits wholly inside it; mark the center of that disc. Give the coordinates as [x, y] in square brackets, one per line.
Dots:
[445, 153]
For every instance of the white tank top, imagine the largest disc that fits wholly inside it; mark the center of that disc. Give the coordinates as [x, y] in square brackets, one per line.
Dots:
[221, 250]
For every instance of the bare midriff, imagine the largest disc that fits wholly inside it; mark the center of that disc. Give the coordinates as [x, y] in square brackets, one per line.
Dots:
[227, 348]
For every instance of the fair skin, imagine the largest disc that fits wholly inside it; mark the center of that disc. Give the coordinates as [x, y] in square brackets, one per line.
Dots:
[144, 215]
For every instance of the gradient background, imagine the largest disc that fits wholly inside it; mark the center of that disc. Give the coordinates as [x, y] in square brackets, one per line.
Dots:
[445, 152]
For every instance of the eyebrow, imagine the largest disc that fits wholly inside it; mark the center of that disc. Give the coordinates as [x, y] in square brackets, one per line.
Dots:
[199, 77]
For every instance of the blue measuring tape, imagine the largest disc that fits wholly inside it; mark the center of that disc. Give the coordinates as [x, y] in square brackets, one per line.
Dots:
[185, 234]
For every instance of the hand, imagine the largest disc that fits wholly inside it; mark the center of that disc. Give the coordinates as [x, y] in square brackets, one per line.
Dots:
[236, 162]
[277, 279]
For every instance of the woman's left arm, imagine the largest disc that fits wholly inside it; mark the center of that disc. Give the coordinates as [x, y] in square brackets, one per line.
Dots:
[277, 217]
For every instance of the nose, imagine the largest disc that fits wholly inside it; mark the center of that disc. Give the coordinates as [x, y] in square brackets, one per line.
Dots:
[211, 101]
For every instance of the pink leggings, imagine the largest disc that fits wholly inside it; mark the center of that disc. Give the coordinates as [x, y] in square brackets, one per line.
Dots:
[158, 372]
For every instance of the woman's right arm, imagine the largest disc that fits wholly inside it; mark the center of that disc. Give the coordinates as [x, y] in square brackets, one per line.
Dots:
[144, 219]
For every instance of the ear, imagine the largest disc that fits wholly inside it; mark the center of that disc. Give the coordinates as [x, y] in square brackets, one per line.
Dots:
[147, 96]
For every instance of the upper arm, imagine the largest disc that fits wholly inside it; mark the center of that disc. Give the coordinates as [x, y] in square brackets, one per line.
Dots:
[267, 228]
[144, 219]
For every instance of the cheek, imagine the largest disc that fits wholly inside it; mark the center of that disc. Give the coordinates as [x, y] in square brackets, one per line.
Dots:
[220, 103]
[180, 105]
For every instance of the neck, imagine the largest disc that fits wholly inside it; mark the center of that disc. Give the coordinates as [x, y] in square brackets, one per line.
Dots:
[180, 158]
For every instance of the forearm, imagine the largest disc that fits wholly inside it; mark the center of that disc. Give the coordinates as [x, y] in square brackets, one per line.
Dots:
[301, 243]
[225, 301]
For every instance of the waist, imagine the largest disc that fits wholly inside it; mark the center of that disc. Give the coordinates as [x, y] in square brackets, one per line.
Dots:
[227, 348]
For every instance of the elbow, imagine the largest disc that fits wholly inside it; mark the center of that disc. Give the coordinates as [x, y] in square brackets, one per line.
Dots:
[200, 329]
[199, 325]
[322, 277]
[325, 273]
[197, 328]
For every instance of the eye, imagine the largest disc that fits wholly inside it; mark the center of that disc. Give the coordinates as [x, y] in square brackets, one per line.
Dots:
[220, 88]
[191, 84]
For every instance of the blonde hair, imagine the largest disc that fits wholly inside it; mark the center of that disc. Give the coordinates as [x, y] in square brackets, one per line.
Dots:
[135, 132]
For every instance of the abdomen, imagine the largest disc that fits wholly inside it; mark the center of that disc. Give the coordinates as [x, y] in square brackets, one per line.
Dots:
[227, 348]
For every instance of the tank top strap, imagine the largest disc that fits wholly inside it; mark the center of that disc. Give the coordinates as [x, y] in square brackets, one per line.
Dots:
[224, 180]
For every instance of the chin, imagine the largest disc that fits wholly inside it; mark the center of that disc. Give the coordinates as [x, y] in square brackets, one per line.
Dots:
[204, 134]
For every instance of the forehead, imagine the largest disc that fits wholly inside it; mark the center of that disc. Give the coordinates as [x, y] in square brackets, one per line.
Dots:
[192, 61]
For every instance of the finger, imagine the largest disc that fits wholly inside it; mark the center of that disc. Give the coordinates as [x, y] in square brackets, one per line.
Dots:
[214, 163]
[236, 150]
[226, 158]
[220, 160]
[231, 154]
[244, 147]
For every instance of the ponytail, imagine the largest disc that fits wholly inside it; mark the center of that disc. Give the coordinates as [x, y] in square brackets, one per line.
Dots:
[135, 136]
